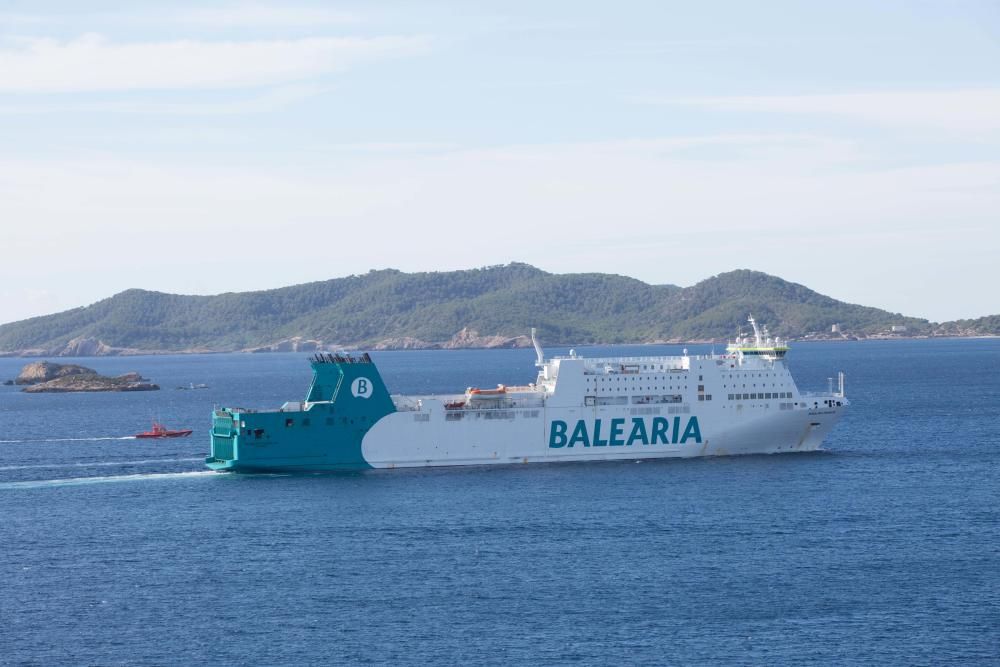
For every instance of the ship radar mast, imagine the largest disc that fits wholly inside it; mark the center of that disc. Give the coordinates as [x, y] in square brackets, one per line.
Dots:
[756, 331]
[540, 360]
[763, 345]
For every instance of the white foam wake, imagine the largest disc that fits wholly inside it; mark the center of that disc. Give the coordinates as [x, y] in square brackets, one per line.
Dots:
[96, 464]
[123, 437]
[78, 481]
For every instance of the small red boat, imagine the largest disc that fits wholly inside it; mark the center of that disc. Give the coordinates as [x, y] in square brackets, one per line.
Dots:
[161, 431]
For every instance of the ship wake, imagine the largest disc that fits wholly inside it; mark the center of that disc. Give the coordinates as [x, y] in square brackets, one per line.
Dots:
[95, 439]
[96, 464]
[79, 481]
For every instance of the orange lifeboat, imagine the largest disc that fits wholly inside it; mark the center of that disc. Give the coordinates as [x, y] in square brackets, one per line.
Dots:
[475, 392]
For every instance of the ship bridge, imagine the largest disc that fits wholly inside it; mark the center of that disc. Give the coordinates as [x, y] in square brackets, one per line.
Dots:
[761, 345]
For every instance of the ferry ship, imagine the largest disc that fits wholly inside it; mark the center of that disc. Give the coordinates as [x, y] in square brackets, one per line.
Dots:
[578, 409]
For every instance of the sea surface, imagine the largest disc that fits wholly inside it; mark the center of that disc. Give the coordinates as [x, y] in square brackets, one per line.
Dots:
[882, 549]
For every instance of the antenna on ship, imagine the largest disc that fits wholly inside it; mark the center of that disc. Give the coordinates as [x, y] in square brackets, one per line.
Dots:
[756, 331]
[540, 361]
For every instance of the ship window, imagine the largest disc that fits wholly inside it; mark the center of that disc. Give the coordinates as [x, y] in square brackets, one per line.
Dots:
[708, 397]
[258, 433]
[289, 423]
[700, 378]
[746, 397]
[701, 397]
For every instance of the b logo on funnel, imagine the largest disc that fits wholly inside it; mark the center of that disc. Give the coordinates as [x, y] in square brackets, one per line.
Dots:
[361, 388]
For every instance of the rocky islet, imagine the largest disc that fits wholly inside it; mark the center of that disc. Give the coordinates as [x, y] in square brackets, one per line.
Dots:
[47, 377]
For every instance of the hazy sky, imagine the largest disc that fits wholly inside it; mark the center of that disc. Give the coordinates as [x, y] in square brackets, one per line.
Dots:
[850, 146]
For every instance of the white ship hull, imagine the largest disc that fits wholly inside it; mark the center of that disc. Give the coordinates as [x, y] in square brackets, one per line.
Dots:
[428, 438]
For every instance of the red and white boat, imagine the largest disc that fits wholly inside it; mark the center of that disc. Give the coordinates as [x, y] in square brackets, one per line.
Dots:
[160, 431]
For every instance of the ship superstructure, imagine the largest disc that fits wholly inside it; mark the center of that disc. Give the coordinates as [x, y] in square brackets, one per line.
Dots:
[578, 409]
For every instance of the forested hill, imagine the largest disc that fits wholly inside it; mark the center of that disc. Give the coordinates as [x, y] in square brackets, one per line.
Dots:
[479, 307]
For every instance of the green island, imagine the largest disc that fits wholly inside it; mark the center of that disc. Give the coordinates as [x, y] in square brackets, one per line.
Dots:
[494, 306]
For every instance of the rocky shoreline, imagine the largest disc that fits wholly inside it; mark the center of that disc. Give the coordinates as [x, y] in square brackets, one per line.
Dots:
[43, 377]
[466, 339]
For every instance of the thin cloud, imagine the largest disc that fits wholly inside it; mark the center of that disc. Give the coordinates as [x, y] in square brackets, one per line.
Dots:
[392, 147]
[270, 100]
[221, 17]
[270, 16]
[976, 109]
[92, 63]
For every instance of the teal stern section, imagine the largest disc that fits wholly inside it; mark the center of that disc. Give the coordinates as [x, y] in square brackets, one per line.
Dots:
[322, 433]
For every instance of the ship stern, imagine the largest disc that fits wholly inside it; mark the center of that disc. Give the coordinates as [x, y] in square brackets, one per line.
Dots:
[225, 431]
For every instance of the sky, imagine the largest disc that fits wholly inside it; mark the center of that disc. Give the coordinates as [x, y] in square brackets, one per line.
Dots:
[853, 147]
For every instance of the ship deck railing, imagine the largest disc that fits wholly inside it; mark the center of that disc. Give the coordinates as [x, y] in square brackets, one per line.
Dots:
[416, 403]
[640, 360]
[288, 406]
[522, 388]
[820, 394]
[681, 362]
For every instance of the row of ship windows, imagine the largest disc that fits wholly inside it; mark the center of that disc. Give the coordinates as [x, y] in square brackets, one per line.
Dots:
[635, 367]
[632, 379]
[608, 389]
[638, 400]
[306, 421]
[760, 396]
[671, 410]
[781, 406]
[459, 415]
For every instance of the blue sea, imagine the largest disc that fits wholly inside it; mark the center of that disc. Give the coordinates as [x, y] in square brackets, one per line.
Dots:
[882, 549]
